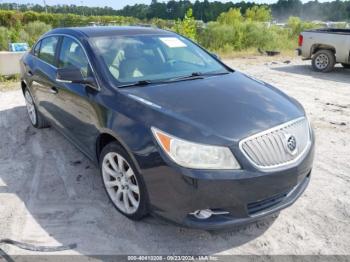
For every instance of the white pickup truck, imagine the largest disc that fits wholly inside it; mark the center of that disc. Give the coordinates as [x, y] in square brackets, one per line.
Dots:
[325, 47]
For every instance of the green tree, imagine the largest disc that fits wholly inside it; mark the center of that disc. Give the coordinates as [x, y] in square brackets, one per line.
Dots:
[259, 14]
[231, 17]
[187, 26]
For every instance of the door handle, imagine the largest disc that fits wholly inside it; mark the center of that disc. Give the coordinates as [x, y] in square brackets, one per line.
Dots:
[53, 90]
[28, 71]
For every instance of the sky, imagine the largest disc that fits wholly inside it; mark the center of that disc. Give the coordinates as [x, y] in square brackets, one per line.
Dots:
[116, 4]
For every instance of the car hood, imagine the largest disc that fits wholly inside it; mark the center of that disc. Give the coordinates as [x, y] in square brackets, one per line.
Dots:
[231, 106]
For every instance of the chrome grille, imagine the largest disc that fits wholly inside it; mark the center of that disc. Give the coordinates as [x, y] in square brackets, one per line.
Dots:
[269, 149]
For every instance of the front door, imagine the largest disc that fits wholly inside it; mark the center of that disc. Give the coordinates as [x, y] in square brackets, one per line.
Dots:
[76, 113]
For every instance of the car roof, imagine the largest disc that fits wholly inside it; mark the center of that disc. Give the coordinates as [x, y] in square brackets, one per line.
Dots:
[95, 31]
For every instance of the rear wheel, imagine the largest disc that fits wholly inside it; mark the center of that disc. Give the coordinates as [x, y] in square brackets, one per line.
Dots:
[347, 66]
[35, 117]
[123, 184]
[323, 61]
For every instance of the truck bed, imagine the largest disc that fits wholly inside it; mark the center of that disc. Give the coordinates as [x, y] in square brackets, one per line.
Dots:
[330, 31]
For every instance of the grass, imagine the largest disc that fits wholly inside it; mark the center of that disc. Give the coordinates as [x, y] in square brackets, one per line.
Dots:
[9, 78]
[8, 86]
[8, 83]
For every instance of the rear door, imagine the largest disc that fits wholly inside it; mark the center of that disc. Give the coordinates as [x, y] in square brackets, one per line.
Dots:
[43, 74]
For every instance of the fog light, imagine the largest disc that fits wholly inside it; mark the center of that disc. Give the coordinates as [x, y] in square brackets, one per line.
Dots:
[207, 213]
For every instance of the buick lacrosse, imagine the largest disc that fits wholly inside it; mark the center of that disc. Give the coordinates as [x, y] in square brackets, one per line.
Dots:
[175, 132]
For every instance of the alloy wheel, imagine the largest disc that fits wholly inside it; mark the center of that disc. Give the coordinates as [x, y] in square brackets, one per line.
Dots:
[121, 183]
[30, 107]
[321, 61]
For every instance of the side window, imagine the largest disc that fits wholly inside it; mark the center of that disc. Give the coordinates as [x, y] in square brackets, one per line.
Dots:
[48, 49]
[72, 55]
[36, 49]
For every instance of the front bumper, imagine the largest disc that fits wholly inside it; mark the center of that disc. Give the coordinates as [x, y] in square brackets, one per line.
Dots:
[247, 194]
[273, 205]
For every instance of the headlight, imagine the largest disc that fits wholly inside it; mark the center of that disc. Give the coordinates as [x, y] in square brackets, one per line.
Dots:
[193, 155]
[309, 126]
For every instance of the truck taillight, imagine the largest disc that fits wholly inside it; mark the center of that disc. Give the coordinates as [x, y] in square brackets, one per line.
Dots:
[300, 41]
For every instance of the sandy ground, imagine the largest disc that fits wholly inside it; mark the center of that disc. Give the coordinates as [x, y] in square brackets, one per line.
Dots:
[51, 194]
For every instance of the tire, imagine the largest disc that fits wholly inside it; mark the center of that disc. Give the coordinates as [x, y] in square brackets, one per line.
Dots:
[323, 61]
[36, 118]
[123, 185]
[347, 66]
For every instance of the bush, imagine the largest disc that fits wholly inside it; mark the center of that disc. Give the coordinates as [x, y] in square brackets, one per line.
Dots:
[231, 17]
[245, 35]
[32, 31]
[10, 18]
[234, 32]
[296, 26]
[257, 35]
[222, 37]
[15, 19]
[231, 32]
[4, 38]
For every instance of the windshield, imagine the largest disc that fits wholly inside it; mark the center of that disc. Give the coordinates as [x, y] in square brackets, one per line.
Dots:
[153, 58]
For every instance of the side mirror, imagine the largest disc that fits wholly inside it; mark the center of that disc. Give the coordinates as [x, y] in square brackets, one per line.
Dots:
[74, 75]
[216, 56]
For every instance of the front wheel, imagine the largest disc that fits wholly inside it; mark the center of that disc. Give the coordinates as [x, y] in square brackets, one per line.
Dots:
[323, 61]
[123, 184]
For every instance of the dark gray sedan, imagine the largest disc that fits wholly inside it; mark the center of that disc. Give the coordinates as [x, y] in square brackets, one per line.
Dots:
[175, 132]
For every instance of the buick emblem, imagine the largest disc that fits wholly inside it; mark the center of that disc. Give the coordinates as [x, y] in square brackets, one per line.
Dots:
[291, 144]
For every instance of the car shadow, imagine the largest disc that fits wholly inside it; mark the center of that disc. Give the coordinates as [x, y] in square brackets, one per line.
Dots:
[65, 202]
[339, 74]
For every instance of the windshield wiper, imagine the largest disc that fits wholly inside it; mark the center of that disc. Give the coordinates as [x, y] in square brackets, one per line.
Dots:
[137, 83]
[194, 76]
[147, 82]
[214, 73]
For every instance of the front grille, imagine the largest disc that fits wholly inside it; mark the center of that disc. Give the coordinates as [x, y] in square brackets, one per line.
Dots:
[258, 206]
[270, 149]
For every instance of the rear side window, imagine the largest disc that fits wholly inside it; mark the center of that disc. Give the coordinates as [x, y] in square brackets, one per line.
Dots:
[73, 55]
[48, 49]
[36, 49]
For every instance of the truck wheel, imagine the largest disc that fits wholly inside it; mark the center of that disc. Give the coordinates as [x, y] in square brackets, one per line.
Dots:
[323, 61]
[345, 65]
